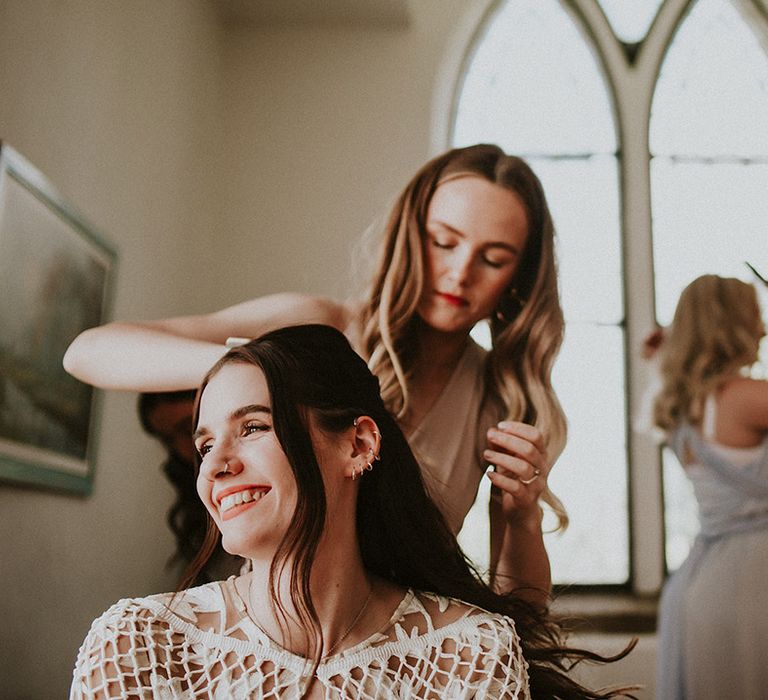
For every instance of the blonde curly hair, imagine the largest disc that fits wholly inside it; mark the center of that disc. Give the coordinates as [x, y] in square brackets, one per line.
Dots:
[526, 337]
[715, 333]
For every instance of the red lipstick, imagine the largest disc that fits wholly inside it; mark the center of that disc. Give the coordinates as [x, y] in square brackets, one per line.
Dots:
[452, 299]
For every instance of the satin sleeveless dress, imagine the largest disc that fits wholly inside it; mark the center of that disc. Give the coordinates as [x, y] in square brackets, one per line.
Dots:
[713, 618]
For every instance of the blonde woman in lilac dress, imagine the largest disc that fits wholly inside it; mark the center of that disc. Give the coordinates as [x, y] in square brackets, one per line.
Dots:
[713, 622]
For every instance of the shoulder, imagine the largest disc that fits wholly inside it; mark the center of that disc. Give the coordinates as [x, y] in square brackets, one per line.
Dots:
[129, 615]
[115, 651]
[125, 609]
[738, 388]
[746, 400]
[461, 618]
[123, 640]
[112, 641]
[485, 645]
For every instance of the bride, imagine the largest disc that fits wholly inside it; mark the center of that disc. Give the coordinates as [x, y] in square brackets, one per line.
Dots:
[357, 586]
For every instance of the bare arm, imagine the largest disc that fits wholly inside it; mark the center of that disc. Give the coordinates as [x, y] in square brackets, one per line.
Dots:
[175, 353]
[519, 559]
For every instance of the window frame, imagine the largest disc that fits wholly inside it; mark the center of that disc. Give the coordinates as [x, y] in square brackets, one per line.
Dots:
[630, 72]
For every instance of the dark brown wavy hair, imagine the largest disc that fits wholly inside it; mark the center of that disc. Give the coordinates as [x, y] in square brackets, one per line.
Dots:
[403, 538]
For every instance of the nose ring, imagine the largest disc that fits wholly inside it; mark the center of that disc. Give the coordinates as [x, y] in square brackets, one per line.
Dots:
[226, 467]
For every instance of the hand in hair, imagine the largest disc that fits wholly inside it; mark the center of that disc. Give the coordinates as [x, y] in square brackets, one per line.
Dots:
[517, 451]
[519, 559]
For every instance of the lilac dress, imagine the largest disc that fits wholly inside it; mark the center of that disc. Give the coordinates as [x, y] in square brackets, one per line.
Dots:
[713, 619]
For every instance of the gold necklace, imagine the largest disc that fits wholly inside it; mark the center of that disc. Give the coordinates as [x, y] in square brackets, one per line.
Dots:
[333, 647]
[351, 627]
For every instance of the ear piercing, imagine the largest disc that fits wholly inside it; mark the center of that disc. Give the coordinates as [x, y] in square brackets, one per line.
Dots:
[367, 467]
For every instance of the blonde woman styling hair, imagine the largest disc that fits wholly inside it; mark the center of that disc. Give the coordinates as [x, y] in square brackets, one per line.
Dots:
[715, 418]
[469, 239]
[526, 320]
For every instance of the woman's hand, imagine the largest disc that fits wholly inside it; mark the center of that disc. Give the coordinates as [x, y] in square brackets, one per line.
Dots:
[517, 451]
[519, 560]
[652, 343]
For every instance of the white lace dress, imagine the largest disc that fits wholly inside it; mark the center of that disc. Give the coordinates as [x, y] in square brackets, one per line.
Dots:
[205, 646]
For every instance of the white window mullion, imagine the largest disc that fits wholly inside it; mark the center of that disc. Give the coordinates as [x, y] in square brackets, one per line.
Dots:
[646, 512]
[635, 94]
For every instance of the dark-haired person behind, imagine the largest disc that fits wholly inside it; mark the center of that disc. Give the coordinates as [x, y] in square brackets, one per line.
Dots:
[167, 416]
[358, 587]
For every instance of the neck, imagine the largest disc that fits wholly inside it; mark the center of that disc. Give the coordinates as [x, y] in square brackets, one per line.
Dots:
[439, 349]
[340, 589]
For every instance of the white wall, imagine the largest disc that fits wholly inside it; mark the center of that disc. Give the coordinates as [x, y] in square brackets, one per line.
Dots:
[116, 103]
[222, 165]
[324, 127]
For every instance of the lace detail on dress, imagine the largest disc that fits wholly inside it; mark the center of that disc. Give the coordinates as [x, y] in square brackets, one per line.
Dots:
[201, 648]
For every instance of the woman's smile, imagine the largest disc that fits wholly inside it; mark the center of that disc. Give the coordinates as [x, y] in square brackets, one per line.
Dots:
[235, 500]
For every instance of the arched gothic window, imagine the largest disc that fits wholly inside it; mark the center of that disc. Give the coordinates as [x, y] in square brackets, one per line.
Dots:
[648, 125]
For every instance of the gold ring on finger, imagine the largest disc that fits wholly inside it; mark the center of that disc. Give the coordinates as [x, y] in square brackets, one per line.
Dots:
[536, 473]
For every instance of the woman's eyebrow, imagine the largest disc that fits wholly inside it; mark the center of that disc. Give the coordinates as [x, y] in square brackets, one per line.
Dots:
[235, 415]
[250, 408]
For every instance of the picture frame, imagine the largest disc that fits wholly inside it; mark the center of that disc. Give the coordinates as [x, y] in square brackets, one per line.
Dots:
[56, 274]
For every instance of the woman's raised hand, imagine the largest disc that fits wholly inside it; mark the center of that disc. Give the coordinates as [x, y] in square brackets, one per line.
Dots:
[518, 453]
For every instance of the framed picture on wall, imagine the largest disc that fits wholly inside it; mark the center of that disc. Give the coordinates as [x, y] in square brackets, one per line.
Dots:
[55, 280]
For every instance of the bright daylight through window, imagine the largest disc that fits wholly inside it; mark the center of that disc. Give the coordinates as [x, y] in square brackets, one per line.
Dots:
[537, 84]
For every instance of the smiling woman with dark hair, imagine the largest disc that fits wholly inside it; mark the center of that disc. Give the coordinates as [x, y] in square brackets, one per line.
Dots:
[358, 588]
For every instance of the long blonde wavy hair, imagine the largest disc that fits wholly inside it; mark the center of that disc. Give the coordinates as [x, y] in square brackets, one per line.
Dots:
[526, 337]
[715, 333]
